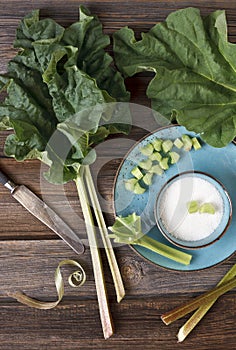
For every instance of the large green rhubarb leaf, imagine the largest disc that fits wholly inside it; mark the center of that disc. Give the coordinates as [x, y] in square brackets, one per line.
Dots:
[54, 86]
[195, 71]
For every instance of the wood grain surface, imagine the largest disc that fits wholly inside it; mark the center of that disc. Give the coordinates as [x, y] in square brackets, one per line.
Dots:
[30, 252]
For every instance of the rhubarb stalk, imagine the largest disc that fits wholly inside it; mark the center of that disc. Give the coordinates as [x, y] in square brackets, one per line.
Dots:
[105, 314]
[116, 275]
[128, 230]
[192, 305]
[202, 310]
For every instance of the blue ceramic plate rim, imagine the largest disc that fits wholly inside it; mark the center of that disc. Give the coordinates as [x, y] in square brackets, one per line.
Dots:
[221, 228]
[142, 252]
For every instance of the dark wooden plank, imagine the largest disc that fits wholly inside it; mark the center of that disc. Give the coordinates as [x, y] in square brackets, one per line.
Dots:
[137, 323]
[137, 320]
[113, 15]
[30, 265]
[25, 224]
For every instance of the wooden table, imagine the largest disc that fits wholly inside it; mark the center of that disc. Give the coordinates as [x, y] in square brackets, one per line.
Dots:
[29, 252]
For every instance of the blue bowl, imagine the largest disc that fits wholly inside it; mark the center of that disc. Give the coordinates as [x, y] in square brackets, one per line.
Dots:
[218, 231]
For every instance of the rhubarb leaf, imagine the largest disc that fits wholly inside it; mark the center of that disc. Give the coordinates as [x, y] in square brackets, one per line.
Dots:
[195, 71]
[54, 86]
[87, 36]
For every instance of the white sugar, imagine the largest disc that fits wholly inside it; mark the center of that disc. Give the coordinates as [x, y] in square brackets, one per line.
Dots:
[174, 213]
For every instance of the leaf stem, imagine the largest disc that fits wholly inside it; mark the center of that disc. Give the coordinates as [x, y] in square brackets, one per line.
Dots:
[164, 250]
[105, 314]
[192, 305]
[116, 275]
[202, 310]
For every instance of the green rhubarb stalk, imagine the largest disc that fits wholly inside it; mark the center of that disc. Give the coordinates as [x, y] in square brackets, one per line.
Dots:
[147, 150]
[193, 207]
[167, 146]
[194, 304]
[164, 250]
[128, 230]
[116, 275]
[202, 310]
[105, 314]
[207, 208]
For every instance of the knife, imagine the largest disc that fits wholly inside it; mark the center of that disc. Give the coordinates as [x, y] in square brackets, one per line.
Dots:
[42, 212]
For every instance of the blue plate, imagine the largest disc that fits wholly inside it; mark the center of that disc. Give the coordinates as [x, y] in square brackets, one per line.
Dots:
[218, 162]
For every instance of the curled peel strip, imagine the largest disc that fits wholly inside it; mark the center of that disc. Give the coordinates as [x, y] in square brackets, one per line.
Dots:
[76, 279]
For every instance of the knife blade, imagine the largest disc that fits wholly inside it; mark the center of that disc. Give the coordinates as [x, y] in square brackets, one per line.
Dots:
[43, 212]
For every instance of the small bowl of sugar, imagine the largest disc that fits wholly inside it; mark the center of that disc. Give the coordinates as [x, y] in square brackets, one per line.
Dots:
[193, 210]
